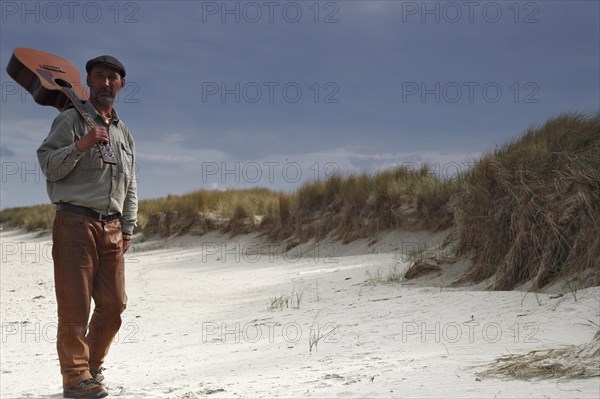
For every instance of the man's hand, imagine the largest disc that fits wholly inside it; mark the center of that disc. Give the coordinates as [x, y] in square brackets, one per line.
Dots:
[95, 135]
[126, 245]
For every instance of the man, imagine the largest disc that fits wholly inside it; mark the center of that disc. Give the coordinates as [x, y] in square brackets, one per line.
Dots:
[96, 212]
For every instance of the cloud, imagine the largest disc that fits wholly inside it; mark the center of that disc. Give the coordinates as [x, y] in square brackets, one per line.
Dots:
[29, 129]
[175, 152]
[6, 152]
[165, 159]
[347, 160]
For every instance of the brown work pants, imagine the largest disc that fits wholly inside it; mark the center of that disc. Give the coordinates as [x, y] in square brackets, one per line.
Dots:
[88, 263]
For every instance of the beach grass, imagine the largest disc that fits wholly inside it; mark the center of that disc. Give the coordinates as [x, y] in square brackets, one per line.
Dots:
[230, 204]
[581, 361]
[529, 210]
[32, 218]
[532, 207]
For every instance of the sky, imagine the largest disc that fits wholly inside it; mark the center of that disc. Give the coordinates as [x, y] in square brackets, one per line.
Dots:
[238, 94]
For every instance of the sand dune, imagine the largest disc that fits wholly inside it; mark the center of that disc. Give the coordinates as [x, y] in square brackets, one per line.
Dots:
[207, 316]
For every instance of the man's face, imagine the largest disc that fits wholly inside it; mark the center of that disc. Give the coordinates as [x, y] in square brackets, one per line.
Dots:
[104, 83]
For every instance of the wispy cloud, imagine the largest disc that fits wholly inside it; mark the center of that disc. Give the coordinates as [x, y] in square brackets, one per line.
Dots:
[6, 152]
[165, 159]
[31, 129]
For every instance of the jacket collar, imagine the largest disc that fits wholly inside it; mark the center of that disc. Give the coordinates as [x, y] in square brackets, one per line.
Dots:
[95, 114]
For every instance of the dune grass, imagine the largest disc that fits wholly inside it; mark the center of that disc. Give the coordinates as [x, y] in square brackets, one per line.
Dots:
[359, 205]
[529, 210]
[532, 208]
[32, 218]
[230, 204]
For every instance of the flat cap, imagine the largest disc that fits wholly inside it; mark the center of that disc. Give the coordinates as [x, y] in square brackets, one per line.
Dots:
[106, 60]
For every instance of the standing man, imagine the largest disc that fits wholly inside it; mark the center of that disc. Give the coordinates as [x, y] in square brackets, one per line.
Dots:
[96, 212]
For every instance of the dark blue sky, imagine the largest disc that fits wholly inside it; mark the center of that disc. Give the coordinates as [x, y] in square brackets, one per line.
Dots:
[238, 94]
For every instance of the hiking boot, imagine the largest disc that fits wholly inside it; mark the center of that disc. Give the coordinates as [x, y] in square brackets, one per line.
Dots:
[86, 389]
[97, 375]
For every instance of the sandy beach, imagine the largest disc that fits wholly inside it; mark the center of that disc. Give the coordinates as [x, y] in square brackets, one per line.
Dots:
[240, 317]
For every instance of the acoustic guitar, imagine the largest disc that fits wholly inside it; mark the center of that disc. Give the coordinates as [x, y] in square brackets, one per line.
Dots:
[53, 81]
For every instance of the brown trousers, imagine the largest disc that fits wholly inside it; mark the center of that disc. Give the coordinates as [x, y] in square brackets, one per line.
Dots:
[88, 263]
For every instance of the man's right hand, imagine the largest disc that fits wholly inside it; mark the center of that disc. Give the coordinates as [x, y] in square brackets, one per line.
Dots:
[95, 135]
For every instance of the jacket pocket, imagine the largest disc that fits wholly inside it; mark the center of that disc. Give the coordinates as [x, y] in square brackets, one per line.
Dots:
[126, 159]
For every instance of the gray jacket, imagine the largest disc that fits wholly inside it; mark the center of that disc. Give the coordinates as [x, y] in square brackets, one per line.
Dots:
[83, 179]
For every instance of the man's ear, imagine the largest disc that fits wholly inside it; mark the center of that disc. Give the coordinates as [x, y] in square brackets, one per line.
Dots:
[122, 82]
[87, 80]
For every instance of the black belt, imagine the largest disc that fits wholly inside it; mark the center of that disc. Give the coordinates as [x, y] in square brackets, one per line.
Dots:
[87, 212]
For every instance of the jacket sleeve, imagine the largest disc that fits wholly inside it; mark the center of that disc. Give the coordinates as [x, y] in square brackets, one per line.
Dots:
[58, 154]
[130, 205]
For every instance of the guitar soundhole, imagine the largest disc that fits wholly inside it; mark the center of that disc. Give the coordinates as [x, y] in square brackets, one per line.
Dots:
[63, 83]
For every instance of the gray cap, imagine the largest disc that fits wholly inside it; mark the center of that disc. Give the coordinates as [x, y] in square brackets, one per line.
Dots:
[106, 60]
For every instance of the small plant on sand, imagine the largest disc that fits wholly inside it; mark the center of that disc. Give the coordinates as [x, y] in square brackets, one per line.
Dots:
[535, 293]
[393, 275]
[279, 302]
[315, 335]
[296, 298]
[374, 278]
[314, 338]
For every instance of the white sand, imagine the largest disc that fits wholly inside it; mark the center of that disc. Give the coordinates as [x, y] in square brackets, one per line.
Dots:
[198, 324]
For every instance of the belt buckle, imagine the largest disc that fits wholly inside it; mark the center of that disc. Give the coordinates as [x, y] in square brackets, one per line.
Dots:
[104, 218]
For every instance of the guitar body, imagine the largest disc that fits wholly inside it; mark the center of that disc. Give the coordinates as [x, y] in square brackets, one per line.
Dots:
[44, 75]
[53, 81]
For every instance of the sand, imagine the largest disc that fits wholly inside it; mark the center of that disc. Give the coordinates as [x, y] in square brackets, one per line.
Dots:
[237, 317]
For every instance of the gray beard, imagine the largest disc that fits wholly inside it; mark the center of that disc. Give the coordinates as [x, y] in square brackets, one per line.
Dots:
[104, 100]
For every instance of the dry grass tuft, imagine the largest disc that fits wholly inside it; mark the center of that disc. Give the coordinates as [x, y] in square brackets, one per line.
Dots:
[571, 362]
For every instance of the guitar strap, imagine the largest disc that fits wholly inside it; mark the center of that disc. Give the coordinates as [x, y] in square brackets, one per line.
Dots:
[105, 151]
[79, 107]
[86, 115]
